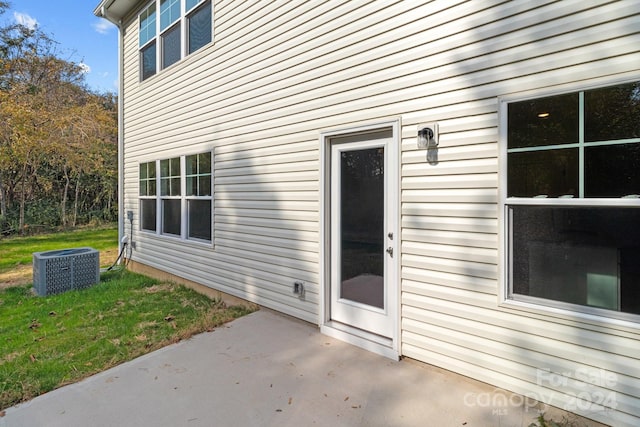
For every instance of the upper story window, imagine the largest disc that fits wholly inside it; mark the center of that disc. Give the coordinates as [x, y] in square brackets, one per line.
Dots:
[572, 204]
[199, 24]
[147, 34]
[169, 30]
[169, 13]
[147, 24]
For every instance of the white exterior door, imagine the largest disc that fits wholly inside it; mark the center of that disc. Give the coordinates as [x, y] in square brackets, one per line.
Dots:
[363, 220]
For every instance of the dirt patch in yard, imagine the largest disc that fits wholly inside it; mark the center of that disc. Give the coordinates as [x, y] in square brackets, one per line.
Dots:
[18, 276]
[23, 274]
[165, 287]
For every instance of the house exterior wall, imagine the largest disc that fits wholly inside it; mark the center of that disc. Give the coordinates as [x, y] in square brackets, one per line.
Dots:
[277, 74]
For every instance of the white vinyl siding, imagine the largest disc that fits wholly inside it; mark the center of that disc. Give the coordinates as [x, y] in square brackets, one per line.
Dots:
[280, 73]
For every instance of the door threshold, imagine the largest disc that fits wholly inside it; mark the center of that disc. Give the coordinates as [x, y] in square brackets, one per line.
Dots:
[363, 339]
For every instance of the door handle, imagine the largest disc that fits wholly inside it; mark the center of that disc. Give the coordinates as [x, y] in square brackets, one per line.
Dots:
[390, 251]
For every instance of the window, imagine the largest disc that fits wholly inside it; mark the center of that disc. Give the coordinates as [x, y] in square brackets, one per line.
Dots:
[192, 3]
[170, 196]
[169, 14]
[573, 200]
[148, 59]
[199, 23]
[161, 37]
[171, 46]
[147, 34]
[148, 196]
[198, 177]
[148, 24]
[182, 191]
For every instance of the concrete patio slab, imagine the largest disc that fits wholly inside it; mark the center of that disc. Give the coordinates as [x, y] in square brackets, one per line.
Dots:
[267, 369]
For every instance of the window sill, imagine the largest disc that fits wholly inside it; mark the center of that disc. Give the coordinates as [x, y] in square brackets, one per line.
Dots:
[557, 201]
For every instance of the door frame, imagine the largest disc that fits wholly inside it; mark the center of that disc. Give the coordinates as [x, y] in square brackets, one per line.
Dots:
[386, 346]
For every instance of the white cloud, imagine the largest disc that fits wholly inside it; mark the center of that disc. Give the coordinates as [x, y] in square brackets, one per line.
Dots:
[103, 26]
[84, 68]
[26, 20]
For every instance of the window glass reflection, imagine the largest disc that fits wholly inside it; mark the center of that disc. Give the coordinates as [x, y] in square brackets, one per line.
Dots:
[550, 173]
[544, 121]
[200, 219]
[171, 46]
[612, 113]
[148, 217]
[171, 216]
[148, 60]
[200, 28]
[612, 170]
[586, 256]
[362, 226]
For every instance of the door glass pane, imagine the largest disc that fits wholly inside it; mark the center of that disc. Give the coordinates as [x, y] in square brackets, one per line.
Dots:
[362, 226]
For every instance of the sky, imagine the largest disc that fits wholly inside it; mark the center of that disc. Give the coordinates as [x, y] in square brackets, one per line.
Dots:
[82, 37]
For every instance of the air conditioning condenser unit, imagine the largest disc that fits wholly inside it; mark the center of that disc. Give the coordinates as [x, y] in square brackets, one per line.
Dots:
[66, 269]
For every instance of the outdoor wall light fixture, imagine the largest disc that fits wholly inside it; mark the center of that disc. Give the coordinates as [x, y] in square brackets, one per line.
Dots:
[427, 136]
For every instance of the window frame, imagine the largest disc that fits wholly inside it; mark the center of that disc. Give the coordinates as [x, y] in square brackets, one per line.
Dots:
[153, 197]
[174, 28]
[168, 196]
[182, 23]
[183, 197]
[540, 306]
[149, 42]
[169, 10]
[189, 14]
[198, 197]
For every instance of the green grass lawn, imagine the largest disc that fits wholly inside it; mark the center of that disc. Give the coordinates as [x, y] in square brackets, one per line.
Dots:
[16, 251]
[47, 342]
